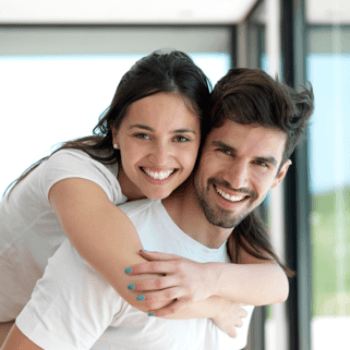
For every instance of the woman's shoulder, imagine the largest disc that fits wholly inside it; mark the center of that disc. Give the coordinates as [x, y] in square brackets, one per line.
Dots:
[75, 163]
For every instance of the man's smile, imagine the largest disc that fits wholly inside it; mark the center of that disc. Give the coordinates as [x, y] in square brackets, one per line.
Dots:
[229, 197]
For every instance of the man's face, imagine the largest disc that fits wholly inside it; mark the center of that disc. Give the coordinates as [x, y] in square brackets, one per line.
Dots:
[238, 166]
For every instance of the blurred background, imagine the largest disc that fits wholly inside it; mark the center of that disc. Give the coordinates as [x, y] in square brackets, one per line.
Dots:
[60, 63]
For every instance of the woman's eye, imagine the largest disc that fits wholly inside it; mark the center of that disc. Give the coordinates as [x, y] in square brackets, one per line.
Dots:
[181, 139]
[142, 136]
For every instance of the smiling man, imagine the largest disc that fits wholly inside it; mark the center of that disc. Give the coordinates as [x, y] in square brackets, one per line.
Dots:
[239, 164]
[256, 124]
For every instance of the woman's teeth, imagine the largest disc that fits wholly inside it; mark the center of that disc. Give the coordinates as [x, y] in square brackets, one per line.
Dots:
[161, 175]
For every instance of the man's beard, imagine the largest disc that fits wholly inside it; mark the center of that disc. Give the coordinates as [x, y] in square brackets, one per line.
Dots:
[219, 216]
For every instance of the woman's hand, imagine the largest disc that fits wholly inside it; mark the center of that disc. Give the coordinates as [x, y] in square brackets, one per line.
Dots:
[230, 317]
[183, 281]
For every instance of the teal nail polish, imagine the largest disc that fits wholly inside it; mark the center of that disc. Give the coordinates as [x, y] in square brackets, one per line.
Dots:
[140, 298]
[151, 314]
[131, 286]
[144, 250]
[128, 270]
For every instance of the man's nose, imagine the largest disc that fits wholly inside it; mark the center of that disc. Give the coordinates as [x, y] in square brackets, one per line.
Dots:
[237, 175]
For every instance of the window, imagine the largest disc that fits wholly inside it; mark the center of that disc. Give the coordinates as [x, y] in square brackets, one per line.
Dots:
[48, 97]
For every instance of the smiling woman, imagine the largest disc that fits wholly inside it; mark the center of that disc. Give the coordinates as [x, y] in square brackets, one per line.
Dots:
[158, 141]
[74, 192]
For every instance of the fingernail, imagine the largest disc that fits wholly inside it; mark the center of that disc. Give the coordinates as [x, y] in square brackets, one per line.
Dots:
[144, 250]
[128, 270]
[151, 314]
[131, 286]
[140, 298]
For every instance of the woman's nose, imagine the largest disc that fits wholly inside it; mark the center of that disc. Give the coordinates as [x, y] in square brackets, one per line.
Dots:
[160, 154]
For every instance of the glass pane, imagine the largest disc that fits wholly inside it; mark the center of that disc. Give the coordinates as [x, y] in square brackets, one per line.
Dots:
[328, 63]
[49, 99]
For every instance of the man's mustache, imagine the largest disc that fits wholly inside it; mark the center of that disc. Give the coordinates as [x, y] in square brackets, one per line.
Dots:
[225, 184]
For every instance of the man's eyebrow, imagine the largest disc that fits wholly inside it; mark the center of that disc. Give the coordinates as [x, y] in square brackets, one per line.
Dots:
[224, 145]
[145, 127]
[270, 160]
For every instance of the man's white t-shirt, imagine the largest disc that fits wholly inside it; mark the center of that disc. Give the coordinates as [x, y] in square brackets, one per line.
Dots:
[73, 307]
[29, 230]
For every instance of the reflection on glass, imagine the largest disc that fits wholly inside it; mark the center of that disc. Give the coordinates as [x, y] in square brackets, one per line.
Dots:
[328, 64]
[49, 99]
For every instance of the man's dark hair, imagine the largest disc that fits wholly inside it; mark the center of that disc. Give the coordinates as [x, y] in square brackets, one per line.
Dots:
[251, 96]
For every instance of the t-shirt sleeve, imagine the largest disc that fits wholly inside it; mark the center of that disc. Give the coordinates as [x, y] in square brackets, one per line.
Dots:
[71, 305]
[70, 163]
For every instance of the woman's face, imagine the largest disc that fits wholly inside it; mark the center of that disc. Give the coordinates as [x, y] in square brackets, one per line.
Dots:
[158, 140]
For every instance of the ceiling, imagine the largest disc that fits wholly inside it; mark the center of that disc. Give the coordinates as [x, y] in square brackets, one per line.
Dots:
[124, 11]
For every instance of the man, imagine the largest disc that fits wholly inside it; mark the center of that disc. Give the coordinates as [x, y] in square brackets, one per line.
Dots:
[256, 124]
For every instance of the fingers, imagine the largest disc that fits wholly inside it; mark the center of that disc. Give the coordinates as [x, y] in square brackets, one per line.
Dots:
[243, 313]
[233, 333]
[160, 267]
[169, 310]
[239, 323]
[162, 295]
[153, 256]
[154, 284]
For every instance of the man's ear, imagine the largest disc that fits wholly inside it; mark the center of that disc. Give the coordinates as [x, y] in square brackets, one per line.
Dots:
[280, 176]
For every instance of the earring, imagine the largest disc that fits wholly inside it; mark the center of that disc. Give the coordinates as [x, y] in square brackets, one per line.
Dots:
[115, 146]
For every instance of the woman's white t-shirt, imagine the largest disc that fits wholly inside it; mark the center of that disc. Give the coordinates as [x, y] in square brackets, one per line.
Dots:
[29, 229]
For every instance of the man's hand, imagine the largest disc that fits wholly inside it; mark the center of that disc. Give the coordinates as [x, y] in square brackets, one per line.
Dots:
[183, 281]
[230, 317]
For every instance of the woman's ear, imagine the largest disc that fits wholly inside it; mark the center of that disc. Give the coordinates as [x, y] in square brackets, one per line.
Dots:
[283, 171]
[115, 137]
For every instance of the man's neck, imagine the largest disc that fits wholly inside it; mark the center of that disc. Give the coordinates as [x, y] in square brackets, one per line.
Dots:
[186, 211]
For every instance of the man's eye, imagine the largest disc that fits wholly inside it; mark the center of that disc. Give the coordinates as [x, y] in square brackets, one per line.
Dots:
[142, 136]
[224, 150]
[181, 139]
[263, 164]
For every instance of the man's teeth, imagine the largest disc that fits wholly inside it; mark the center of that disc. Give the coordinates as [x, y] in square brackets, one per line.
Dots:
[158, 175]
[229, 197]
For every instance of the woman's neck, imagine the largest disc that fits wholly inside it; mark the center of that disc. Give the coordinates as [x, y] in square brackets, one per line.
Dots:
[129, 189]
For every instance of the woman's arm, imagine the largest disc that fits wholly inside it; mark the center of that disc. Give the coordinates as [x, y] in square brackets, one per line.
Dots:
[101, 233]
[260, 282]
[226, 314]
[254, 282]
[16, 340]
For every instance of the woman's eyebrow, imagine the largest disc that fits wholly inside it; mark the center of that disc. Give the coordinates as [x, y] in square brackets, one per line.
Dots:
[140, 126]
[180, 131]
[145, 127]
